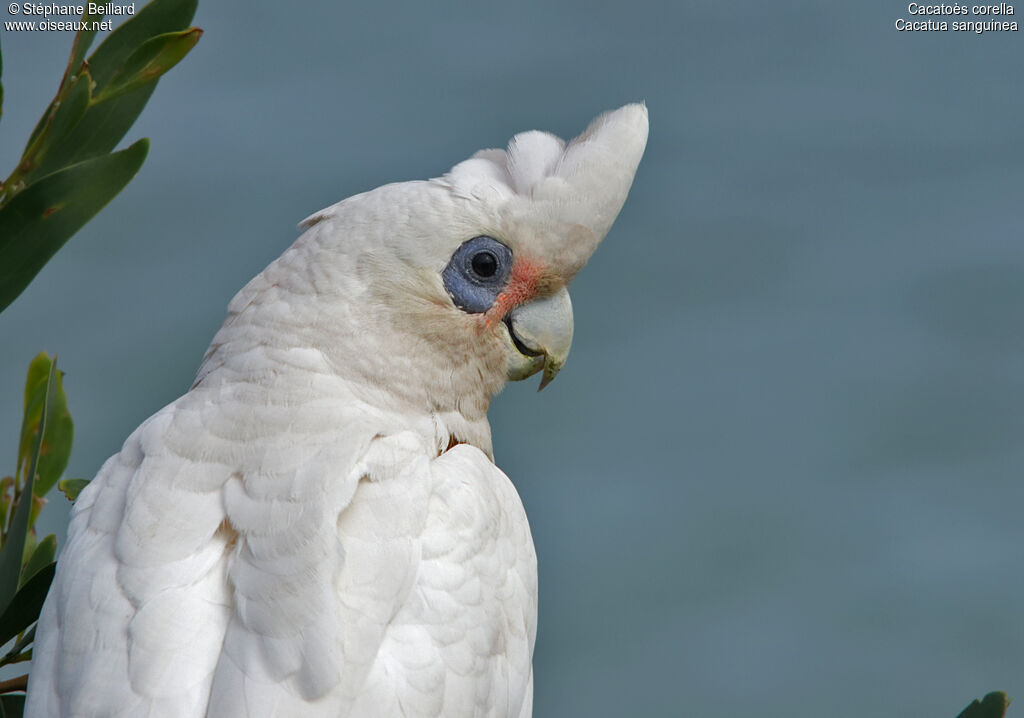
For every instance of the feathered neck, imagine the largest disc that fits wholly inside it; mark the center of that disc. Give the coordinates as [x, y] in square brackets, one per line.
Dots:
[303, 318]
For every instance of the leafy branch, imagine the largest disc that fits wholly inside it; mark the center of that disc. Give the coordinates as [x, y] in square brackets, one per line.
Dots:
[67, 173]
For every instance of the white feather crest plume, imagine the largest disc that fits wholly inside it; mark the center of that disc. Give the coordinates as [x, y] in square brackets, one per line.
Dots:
[579, 185]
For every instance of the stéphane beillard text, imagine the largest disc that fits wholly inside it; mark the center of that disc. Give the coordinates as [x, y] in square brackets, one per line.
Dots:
[93, 8]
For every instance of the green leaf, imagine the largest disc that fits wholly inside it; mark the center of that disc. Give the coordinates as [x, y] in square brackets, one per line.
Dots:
[43, 556]
[118, 100]
[96, 134]
[40, 219]
[71, 487]
[153, 58]
[31, 541]
[18, 652]
[38, 502]
[18, 658]
[60, 430]
[11, 555]
[6, 496]
[993, 705]
[24, 610]
[62, 120]
[12, 706]
[38, 373]
[83, 39]
[155, 18]
[73, 106]
[107, 120]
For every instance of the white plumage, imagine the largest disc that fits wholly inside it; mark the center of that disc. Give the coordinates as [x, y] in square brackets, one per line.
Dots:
[317, 527]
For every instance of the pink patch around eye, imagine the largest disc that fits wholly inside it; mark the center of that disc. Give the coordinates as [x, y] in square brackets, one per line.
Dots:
[522, 286]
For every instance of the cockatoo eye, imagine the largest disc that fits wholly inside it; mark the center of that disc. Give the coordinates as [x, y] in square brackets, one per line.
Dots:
[477, 273]
[484, 264]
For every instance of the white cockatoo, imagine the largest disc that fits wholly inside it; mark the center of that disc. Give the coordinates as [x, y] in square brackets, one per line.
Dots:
[317, 528]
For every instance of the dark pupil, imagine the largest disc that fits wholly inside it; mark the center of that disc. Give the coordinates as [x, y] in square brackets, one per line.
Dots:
[485, 264]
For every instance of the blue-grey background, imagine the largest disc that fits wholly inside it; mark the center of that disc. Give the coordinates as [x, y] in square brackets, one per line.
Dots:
[782, 473]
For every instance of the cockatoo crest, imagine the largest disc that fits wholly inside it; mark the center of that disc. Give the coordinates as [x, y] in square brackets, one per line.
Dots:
[580, 187]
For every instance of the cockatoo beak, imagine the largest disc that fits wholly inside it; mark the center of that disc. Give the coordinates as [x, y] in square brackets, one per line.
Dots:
[542, 332]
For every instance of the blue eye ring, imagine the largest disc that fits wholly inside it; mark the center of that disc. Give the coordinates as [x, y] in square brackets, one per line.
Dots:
[477, 273]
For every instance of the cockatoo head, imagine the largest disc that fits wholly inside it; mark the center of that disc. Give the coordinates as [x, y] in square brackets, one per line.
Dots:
[546, 208]
[437, 292]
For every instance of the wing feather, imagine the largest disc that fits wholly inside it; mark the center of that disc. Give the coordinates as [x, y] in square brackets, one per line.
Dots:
[329, 571]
